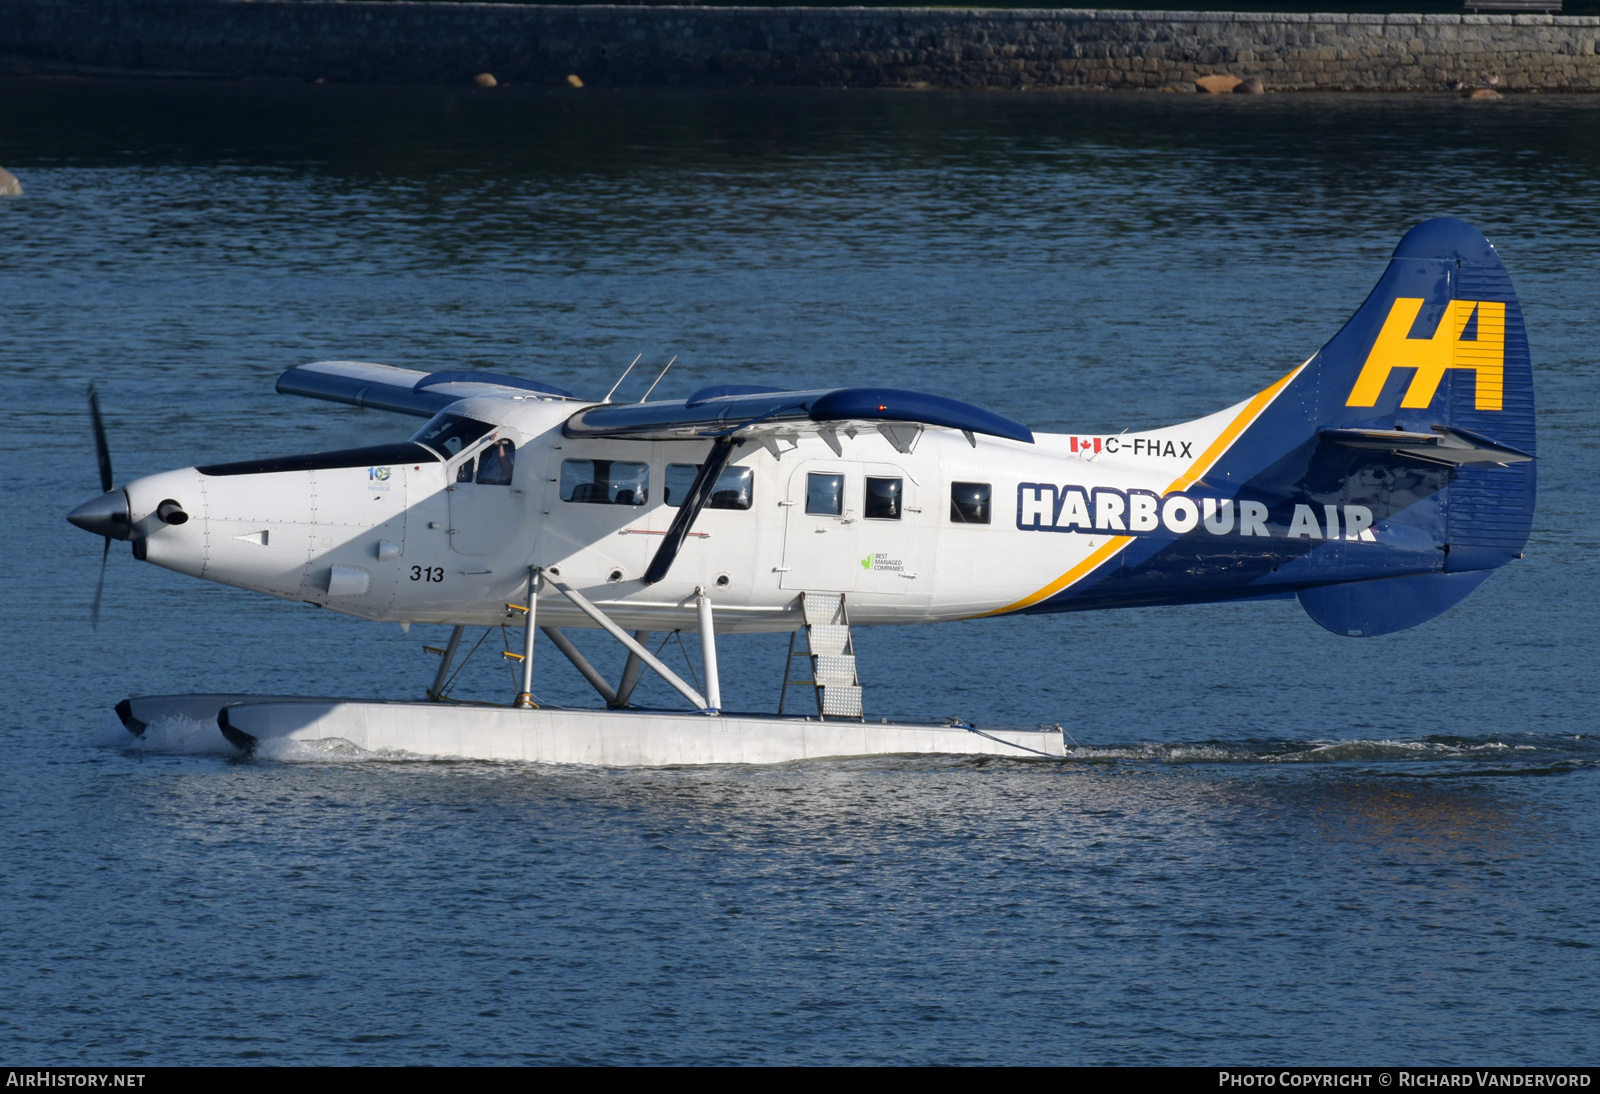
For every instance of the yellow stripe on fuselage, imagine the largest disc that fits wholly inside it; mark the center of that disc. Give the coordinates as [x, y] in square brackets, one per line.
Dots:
[1252, 410]
[1206, 461]
[1082, 569]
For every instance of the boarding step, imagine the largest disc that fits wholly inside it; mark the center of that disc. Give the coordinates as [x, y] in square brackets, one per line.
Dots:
[829, 653]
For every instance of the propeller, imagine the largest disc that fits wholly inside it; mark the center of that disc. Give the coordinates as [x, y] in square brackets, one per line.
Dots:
[102, 453]
[108, 515]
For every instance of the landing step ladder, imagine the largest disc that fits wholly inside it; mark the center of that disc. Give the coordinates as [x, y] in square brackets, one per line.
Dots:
[831, 656]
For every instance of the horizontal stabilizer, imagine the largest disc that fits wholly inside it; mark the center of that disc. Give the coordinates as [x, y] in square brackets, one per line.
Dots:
[1363, 609]
[1451, 447]
[733, 415]
[403, 391]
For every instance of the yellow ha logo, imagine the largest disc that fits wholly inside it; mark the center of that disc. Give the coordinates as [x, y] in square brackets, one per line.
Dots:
[1485, 356]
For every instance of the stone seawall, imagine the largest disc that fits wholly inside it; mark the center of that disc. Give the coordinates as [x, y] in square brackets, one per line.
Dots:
[795, 47]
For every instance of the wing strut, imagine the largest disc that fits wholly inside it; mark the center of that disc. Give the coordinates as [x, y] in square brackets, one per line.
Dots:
[699, 495]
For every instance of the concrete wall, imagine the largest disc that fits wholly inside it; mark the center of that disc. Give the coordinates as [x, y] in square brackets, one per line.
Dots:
[797, 47]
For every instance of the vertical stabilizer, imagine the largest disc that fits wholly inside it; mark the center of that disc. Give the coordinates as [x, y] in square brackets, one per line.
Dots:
[1426, 396]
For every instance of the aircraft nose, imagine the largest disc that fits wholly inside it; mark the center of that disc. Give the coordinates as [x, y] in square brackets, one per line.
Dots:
[106, 515]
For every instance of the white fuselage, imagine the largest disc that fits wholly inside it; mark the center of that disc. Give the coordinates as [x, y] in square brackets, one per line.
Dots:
[408, 543]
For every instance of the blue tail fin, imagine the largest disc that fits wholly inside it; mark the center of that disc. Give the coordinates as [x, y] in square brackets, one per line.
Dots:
[1420, 410]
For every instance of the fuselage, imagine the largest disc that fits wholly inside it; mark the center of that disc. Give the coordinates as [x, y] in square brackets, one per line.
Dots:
[950, 529]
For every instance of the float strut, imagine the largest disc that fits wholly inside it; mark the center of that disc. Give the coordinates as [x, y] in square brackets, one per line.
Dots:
[650, 659]
[581, 663]
[437, 691]
[525, 696]
[708, 651]
[630, 671]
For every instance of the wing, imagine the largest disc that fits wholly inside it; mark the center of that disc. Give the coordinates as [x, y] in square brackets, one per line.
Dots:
[404, 391]
[770, 415]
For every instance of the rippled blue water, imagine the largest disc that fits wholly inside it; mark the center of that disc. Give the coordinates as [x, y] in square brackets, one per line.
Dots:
[1271, 845]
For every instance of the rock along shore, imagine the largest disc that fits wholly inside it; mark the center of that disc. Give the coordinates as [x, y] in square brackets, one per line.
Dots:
[393, 42]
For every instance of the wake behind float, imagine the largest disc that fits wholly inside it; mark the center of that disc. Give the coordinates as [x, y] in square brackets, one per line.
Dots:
[1380, 482]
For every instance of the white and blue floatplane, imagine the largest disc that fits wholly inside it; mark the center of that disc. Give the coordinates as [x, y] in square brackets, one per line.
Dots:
[1379, 482]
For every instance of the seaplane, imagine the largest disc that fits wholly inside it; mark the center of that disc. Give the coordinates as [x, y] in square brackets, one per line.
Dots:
[1379, 482]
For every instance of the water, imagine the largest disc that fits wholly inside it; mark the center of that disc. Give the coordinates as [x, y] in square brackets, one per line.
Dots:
[1270, 844]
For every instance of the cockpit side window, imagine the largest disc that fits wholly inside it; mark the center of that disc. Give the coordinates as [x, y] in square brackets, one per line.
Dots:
[496, 462]
[450, 434]
[491, 467]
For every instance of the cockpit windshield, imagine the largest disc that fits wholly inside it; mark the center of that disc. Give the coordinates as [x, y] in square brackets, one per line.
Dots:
[448, 434]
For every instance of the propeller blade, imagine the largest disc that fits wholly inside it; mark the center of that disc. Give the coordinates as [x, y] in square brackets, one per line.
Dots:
[102, 455]
[102, 451]
[94, 615]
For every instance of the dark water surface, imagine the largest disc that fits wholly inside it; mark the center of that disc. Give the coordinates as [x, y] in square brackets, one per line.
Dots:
[1273, 845]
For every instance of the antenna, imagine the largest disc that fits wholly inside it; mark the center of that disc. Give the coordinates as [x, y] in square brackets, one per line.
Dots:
[621, 378]
[652, 387]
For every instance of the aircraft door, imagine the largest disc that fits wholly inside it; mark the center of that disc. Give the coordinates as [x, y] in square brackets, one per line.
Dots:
[819, 542]
[857, 527]
[486, 499]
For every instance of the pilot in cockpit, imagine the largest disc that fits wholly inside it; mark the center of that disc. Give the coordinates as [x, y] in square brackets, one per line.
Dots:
[495, 464]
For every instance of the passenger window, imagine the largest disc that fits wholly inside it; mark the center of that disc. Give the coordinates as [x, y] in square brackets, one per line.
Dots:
[734, 489]
[464, 472]
[969, 503]
[825, 494]
[605, 482]
[495, 464]
[883, 500]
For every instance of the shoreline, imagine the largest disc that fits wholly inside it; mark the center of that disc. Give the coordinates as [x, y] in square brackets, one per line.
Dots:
[392, 41]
